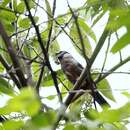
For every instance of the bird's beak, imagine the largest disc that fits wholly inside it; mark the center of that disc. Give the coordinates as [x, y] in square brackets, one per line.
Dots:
[56, 59]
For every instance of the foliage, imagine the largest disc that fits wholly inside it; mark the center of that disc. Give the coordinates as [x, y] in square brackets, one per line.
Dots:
[27, 54]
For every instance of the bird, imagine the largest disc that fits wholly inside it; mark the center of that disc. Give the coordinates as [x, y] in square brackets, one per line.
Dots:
[72, 69]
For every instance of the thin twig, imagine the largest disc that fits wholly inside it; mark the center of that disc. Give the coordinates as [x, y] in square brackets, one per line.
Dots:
[40, 78]
[28, 31]
[63, 83]
[51, 26]
[105, 59]
[99, 45]
[12, 75]
[113, 69]
[62, 15]
[120, 72]
[88, 91]
[62, 28]
[53, 74]
[79, 33]
[119, 51]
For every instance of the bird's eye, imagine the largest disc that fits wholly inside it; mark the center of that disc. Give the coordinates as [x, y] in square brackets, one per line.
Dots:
[60, 57]
[57, 61]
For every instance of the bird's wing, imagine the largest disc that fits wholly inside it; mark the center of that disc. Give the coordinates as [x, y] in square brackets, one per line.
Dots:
[75, 71]
[78, 68]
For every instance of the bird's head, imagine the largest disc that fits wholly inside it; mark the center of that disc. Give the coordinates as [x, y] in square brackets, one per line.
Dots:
[60, 55]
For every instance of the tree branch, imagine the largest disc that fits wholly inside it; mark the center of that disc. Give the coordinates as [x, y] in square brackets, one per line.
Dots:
[99, 45]
[113, 69]
[50, 31]
[40, 78]
[47, 62]
[12, 75]
[106, 54]
[13, 56]
[79, 33]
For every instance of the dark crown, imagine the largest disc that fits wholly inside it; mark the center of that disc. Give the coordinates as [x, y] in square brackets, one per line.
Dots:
[61, 54]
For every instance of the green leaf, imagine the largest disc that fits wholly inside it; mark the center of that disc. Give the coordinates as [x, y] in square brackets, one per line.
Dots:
[82, 127]
[120, 126]
[35, 68]
[127, 94]
[117, 4]
[12, 125]
[98, 18]
[47, 80]
[14, 4]
[86, 28]
[51, 97]
[7, 16]
[44, 34]
[8, 27]
[105, 116]
[36, 18]
[5, 87]
[24, 23]
[120, 21]
[49, 13]
[26, 101]
[121, 43]
[54, 47]
[3, 46]
[44, 119]
[70, 127]
[4, 53]
[75, 36]
[115, 115]
[20, 7]
[110, 115]
[5, 2]
[60, 20]
[67, 83]
[91, 114]
[32, 4]
[103, 86]
[27, 51]
[1, 68]
[75, 108]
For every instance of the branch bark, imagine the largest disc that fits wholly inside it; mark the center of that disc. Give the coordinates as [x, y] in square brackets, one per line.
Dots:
[47, 62]
[113, 69]
[12, 75]
[51, 27]
[13, 56]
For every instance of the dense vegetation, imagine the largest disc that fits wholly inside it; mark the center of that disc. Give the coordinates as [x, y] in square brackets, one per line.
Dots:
[28, 43]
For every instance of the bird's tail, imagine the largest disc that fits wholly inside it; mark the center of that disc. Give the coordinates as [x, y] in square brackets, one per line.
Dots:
[100, 99]
[97, 97]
